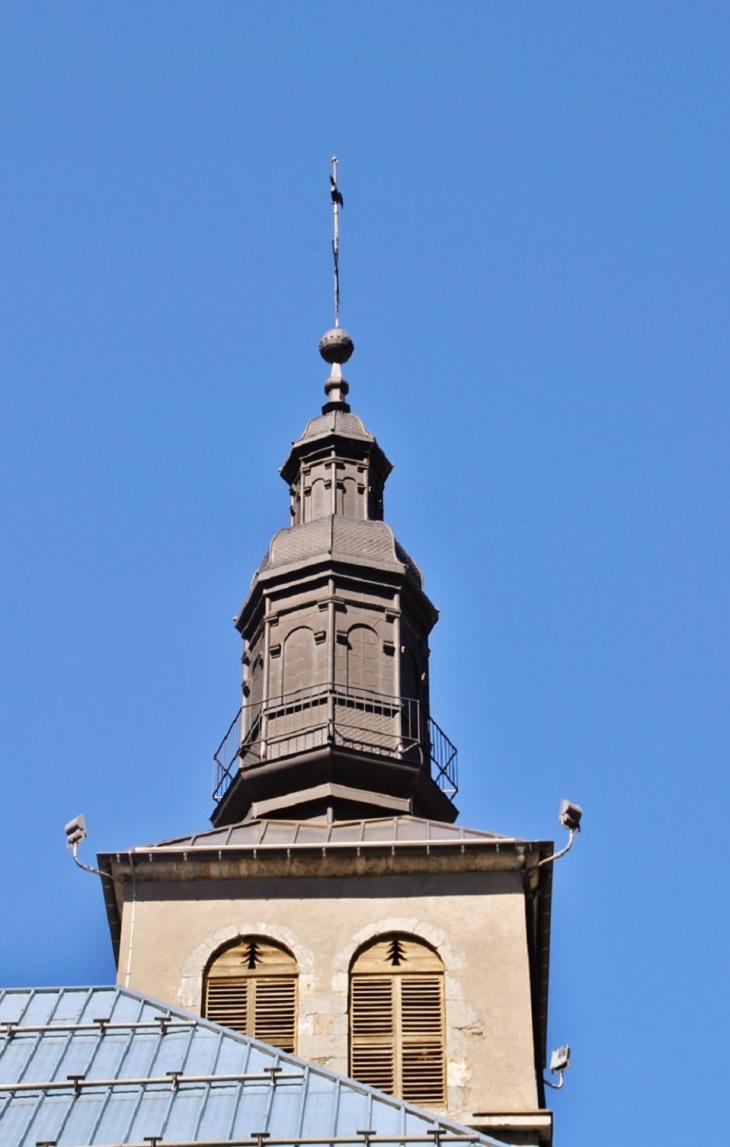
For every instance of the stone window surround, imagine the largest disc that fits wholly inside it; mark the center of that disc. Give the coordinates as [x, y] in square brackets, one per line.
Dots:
[190, 993]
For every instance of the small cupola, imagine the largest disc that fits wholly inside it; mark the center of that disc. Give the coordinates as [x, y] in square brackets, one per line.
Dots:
[336, 467]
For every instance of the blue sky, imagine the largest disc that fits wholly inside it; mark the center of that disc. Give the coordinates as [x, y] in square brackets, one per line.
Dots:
[534, 259]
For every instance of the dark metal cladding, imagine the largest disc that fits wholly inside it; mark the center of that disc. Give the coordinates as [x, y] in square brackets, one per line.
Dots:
[335, 717]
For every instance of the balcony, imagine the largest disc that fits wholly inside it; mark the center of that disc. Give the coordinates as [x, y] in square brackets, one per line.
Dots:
[333, 715]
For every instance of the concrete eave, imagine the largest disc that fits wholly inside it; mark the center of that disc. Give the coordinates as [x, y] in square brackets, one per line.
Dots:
[537, 1125]
[498, 855]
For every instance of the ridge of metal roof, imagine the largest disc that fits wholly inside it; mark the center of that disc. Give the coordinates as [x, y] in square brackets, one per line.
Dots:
[262, 833]
[85, 1066]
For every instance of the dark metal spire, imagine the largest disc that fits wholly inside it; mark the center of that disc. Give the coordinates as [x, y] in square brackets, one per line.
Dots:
[336, 346]
[337, 202]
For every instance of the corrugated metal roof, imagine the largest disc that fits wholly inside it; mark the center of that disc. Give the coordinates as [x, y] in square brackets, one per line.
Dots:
[293, 833]
[83, 1066]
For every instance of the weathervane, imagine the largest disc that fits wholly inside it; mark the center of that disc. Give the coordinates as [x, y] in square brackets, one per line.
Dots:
[337, 202]
[336, 346]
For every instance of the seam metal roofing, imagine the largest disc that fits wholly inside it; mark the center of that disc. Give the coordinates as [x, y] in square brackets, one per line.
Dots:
[292, 833]
[93, 1066]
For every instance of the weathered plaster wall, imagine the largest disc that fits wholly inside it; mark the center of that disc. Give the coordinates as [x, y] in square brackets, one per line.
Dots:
[475, 920]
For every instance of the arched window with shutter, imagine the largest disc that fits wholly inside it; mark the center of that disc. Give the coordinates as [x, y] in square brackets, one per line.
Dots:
[363, 659]
[319, 500]
[251, 987]
[347, 500]
[299, 659]
[397, 1019]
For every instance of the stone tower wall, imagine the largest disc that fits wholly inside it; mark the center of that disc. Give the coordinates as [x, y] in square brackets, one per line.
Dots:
[475, 921]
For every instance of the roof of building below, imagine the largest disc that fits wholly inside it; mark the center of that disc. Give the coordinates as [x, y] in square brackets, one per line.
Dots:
[92, 1066]
[306, 833]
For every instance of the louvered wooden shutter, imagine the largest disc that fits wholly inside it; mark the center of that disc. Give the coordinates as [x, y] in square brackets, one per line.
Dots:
[422, 1039]
[226, 1002]
[373, 1034]
[252, 988]
[397, 1035]
[275, 1011]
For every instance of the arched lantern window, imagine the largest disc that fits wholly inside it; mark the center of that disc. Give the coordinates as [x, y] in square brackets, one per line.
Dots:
[397, 1019]
[251, 987]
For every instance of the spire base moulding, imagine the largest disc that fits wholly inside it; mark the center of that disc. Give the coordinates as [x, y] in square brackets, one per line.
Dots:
[336, 388]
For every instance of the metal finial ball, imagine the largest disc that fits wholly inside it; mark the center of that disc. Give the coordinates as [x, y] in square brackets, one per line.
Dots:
[336, 346]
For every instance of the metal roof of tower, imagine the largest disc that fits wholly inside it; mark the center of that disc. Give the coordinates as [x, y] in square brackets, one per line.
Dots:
[92, 1066]
[391, 830]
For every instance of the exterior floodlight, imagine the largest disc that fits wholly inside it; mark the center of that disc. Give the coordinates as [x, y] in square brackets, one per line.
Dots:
[75, 831]
[559, 1062]
[570, 815]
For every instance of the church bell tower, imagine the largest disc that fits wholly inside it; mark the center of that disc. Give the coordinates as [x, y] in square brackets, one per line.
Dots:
[335, 718]
[335, 910]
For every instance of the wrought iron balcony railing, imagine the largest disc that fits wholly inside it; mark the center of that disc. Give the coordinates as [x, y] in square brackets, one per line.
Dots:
[334, 715]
